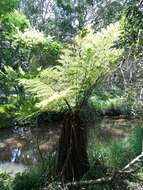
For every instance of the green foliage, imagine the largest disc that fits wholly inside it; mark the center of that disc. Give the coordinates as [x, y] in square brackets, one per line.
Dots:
[107, 12]
[47, 14]
[132, 24]
[7, 6]
[117, 154]
[103, 158]
[25, 47]
[117, 105]
[33, 178]
[35, 10]
[25, 109]
[107, 157]
[83, 66]
[6, 115]
[37, 176]
[13, 21]
[10, 23]
[17, 105]
[135, 141]
[5, 182]
[9, 81]
[39, 49]
[27, 180]
[9, 76]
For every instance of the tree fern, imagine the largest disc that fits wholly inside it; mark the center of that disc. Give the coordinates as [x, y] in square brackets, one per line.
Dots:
[83, 65]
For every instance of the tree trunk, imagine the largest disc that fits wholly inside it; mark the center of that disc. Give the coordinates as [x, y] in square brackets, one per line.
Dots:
[72, 155]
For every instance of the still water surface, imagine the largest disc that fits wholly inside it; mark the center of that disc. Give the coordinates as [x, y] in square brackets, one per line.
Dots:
[19, 146]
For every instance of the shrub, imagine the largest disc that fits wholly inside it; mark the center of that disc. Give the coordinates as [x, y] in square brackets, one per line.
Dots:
[5, 182]
[117, 154]
[110, 106]
[36, 177]
[28, 180]
[13, 21]
[135, 142]
[6, 115]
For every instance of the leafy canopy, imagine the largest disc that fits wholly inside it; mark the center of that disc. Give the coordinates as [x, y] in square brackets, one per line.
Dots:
[7, 6]
[132, 27]
[83, 65]
[12, 21]
[39, 49]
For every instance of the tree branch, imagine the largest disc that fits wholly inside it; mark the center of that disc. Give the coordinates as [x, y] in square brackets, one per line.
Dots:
[103, 180]
[68, 105]
[135, 160]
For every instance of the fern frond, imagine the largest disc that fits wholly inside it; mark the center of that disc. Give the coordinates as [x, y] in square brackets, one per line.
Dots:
[57, 100]
[38, 88]
[83, 65]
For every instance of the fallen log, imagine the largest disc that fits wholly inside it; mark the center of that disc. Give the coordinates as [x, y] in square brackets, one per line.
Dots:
[103, 180]
[124, 172]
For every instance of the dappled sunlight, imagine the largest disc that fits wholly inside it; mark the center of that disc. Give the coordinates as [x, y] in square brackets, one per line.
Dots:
[71, 94]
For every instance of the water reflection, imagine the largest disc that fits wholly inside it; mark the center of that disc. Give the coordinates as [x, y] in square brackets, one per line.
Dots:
[110, 129]
[16, 152]
[11, 168]
[19, 146]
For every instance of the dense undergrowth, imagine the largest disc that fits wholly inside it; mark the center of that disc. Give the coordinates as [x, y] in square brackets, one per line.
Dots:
[112, 106]
[115, 101]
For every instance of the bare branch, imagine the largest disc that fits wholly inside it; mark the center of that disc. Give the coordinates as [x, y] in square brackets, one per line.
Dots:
[103, 180]
[134, 161]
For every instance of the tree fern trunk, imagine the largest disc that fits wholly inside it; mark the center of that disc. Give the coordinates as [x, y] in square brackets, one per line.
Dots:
[72, 155]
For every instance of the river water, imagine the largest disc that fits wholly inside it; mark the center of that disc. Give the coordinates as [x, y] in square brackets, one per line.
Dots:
[22, 147]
